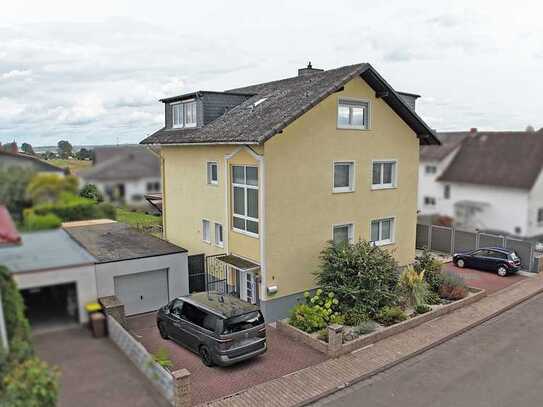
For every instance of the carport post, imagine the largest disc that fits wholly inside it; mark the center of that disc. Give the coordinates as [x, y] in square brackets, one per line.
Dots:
[3, 332]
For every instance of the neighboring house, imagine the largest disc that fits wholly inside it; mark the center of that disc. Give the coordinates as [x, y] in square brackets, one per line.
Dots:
[125, 174]
[258, 179]
[494, 183]
[59, 271]
[27, 162]
[434, 159]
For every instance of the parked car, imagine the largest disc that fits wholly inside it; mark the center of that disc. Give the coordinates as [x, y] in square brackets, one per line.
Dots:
[502, 261]
[223, 330]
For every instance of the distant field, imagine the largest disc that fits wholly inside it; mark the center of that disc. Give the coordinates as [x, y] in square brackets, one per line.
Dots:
[137, 218]
[73, 165]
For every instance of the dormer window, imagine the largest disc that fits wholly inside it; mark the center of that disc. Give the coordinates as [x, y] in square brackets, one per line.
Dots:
[184, 114]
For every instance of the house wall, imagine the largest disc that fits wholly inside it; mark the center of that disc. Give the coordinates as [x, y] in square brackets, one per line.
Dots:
[178, 280]
[429, 186]
[83, 276]
[134, 189]
[506, 208]
[300, 206]
[535, 202]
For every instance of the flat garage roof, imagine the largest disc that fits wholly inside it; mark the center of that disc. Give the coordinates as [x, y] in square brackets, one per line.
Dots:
[116, 242]
[44, 250]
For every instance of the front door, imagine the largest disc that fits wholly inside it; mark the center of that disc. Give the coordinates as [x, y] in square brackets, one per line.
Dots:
[248, 286]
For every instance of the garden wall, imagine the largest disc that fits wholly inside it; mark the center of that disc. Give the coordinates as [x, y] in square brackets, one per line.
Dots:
[333, 350]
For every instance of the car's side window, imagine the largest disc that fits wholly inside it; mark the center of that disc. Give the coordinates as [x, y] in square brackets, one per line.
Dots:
[499, 255]
[177, 308]
[478, 253]
[193, 314]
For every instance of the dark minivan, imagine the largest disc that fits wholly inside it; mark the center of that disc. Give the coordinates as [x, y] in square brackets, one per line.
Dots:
[223, 330]
[498, 259]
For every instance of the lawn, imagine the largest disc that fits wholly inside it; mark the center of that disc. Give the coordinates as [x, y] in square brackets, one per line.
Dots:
[73, 165]
[137, 218]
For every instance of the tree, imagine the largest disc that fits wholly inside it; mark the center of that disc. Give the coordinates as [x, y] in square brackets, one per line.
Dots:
[90, 191]
[27, 148]
[530, 128]
[65, 149]
[362, 276]
[13, 184]
[47, 188]
[84, 154]
[48, 155]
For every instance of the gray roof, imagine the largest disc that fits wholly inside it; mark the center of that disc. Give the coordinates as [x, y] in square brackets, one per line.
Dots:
[27, 161]
[449, 142]
[285, 101]
[61, 251]
[511, 159]
[123, 163]
[111, 242]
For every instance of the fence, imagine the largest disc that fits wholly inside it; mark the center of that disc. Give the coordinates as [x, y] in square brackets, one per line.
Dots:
[450, 240]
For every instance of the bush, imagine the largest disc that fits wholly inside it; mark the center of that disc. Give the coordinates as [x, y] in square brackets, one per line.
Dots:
[13, 184]
[31, 384]
[452, 287]
[391, 315]
[48, 188]
[71, 207]
[361, 275]
[106, 211]
[432, 298]
[422, 309]
[355, 316]
[40, 222]
[90, 191]
[366, 327]
[162, 357]
[317, 313]
[323, 335]
[413, 286]
[431, 267]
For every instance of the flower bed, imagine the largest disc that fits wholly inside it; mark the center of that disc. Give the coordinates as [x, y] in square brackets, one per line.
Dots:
[351, 341]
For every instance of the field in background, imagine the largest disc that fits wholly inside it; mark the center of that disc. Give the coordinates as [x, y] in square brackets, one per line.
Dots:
[73, 165]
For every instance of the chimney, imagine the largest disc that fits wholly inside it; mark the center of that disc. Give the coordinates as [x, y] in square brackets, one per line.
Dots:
[473, 131]
[309, 70]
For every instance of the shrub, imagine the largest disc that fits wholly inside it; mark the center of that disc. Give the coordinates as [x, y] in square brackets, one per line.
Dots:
[452, 287]
[323, 335]
[106, 211]
[413, 286]
[391, 315]
[431, 267]
[31, 384]
[366, 327]
[432, 298]
[355, 316]
[422, 309]
[317, 313]
[90, 191]
[48, 188]
[40, 222]
[162, 357]
[13, 184]
[361, 275]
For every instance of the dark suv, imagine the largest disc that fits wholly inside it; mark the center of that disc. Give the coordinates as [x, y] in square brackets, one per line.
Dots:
[498, 259]
[223, 330]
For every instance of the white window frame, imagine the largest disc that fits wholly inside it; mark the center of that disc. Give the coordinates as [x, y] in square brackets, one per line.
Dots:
[539, 211]
[394, 183]
[350, 230]
[352, 176]
[365, 102]
[246, 187]
[208, 173]
[432, 166]
[381, 241]
[219, 242]
[208, 223]
[183, 104]
[447, 191]
[431, 199]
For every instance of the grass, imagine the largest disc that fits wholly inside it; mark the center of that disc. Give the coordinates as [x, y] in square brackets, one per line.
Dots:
[73, 165]
[137, 218]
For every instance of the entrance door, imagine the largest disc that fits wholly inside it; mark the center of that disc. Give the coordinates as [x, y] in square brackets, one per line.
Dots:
[248, 286]
[142, 292]
[197, 276]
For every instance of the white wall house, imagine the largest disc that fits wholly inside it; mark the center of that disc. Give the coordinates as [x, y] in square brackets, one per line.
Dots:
[490, 181]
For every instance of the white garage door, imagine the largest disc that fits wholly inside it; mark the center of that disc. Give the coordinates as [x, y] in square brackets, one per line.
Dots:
[142, 292]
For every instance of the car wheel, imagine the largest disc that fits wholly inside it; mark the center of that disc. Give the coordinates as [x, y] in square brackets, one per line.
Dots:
[502, 271]
[162, 331]
[206, 356]
[460, 263]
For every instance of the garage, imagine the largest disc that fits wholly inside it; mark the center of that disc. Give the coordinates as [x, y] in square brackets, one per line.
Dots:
[142, 292]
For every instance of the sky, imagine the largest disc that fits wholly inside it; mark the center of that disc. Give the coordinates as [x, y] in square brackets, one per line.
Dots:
[92, 72]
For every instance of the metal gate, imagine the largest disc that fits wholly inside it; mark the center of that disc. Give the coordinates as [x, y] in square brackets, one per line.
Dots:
[217, 275]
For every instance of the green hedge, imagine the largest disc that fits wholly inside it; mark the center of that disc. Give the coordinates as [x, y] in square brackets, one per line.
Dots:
[72, 207]
[41, 222]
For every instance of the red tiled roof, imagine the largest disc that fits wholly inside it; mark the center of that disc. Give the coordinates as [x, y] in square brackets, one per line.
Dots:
[8, 232]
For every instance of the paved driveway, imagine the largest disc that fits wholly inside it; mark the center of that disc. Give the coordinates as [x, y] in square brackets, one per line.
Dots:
[491, 282]
[284, 356]
[94, 372]
[497, 364]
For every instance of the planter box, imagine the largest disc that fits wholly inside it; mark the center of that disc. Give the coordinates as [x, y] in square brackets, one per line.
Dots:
[299, 335]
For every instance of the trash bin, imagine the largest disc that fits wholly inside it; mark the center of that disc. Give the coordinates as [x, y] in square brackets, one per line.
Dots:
[98, 324]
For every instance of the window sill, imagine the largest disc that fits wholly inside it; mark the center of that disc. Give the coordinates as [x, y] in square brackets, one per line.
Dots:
[245, 233]
[207, 241]
[352, 128]
[379, 187]
[343, 190]
[213, 184]
[382, 243]
[221, 245]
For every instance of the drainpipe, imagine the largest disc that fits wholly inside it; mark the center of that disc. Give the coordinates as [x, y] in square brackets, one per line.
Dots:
[3, 332]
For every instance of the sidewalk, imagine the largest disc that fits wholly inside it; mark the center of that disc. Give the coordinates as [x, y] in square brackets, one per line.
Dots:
[310, 384]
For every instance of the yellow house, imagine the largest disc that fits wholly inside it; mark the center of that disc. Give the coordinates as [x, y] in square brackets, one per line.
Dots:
[256, 180]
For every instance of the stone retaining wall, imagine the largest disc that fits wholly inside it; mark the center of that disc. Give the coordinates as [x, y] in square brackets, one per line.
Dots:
[336, 348]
